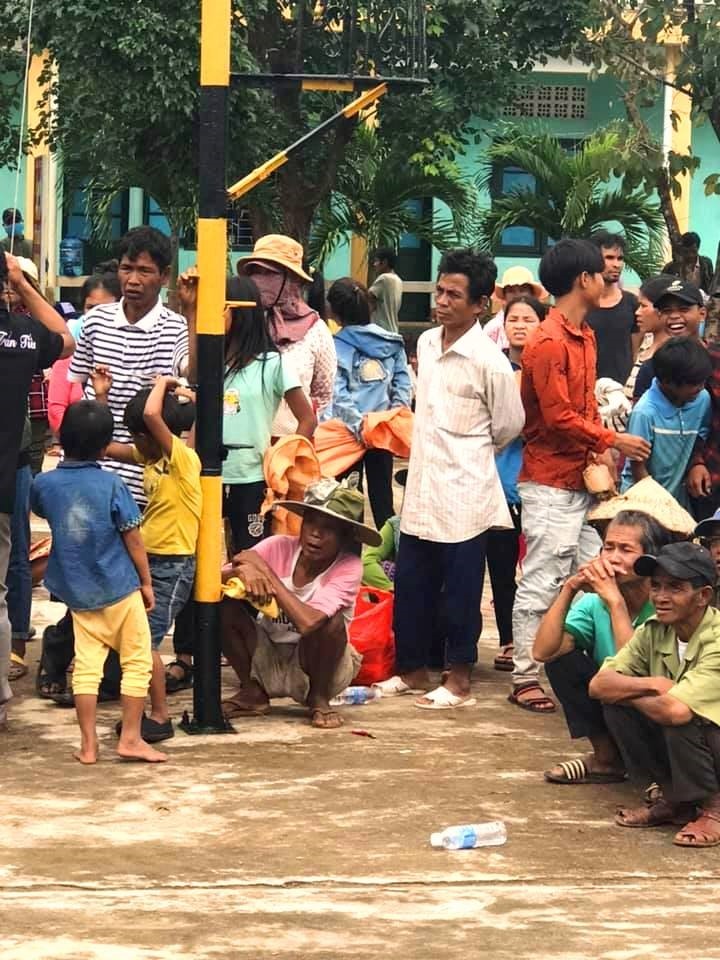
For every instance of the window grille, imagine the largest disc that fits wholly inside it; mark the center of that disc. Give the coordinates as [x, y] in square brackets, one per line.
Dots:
[549, 102]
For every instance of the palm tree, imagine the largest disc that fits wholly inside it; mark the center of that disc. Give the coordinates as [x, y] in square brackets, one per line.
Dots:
[573, 195]
[374, 195]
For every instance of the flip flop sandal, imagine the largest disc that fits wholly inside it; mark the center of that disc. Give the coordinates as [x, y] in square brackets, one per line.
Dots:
[175, 684]
[395, 687]
[539, 705]
[504, 661]
[688, 836]
[443, 699]
[18, 667]
[656, 815]
[231, 709]
[325, 714]
[577, 771]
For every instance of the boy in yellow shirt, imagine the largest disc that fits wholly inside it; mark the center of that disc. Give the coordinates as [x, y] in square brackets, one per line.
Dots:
[171, 521]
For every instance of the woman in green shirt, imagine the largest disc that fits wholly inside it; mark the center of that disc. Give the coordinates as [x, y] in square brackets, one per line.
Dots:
[257, 378]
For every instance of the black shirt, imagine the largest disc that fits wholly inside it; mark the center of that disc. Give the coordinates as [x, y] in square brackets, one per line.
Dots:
[26, 347]
[613, 327]
[644, 378]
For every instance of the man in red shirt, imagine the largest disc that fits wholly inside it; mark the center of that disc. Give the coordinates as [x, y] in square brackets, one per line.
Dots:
[563, 433]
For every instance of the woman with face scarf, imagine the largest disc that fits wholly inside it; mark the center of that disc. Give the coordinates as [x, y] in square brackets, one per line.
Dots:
[275, 265]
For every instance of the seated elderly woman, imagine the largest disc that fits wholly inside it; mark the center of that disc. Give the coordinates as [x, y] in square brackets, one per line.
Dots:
[301, 649]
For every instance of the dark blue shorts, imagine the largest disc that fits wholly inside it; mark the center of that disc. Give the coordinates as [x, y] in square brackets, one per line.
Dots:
[172, 583]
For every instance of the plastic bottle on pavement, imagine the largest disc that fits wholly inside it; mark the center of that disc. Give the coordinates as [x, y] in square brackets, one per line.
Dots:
[470, 835]
[355, 695]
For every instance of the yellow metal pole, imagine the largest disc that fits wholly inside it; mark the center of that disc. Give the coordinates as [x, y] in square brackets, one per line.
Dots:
[212, 254]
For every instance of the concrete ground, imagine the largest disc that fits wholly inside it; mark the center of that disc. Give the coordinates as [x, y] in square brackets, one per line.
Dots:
[283, 841]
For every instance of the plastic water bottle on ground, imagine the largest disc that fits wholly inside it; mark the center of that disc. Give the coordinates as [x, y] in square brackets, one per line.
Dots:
[353, 696]
[470, 835]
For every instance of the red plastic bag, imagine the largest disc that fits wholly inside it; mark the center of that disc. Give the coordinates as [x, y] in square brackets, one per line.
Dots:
[371, 633]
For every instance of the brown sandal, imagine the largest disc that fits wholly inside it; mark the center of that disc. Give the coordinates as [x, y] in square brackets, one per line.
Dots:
[325, 719]
[235, 707]
[542, 704]
[655, 814]
[504, 660]
[703, 832]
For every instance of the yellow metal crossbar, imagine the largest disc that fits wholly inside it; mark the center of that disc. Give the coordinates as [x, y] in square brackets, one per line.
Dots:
[262, 172]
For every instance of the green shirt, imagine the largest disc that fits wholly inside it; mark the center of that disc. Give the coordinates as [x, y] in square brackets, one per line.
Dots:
[251, 397]
[588, 622]
[653, 652]
[387, 291]
[21, 247]
[373, 557]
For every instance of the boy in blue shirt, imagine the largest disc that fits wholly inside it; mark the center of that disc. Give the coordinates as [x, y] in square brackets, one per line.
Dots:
[98, 567]
[672, 415]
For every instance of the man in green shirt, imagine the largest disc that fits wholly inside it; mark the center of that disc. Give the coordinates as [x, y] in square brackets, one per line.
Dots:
[577, 634]
[386, 292]
[660, 697]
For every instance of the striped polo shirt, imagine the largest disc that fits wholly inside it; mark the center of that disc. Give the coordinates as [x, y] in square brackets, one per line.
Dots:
[134, 353]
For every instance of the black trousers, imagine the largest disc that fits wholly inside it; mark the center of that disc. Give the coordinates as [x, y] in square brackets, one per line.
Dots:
[503, 552]
[241, 505]
[684, 760]
[570, 676]
[377, 466]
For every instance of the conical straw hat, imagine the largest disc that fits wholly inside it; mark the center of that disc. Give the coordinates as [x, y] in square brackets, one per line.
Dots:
[649, 497]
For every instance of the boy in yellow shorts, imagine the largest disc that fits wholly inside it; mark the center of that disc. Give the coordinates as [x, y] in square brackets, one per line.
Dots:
[155, 419]
[98, 567]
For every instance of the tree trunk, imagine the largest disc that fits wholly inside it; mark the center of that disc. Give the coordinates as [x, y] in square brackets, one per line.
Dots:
[663, 179]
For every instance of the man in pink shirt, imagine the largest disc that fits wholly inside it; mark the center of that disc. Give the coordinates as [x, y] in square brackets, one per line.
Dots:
[303, 652]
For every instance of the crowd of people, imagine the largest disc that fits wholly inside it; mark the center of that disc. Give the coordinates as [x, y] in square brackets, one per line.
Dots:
[575, 442]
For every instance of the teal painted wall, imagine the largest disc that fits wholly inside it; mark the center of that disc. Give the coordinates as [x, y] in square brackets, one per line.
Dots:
[705, 211]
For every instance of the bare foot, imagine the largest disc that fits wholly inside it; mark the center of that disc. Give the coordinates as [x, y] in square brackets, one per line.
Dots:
[139, 750]
[87, 755]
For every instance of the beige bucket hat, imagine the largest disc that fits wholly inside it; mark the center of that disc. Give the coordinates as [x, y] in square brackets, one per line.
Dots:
[278, 249]
[519, 277]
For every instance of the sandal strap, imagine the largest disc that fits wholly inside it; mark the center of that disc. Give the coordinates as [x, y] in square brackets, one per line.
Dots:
[187, 668]
[574, 769]
[710, 814]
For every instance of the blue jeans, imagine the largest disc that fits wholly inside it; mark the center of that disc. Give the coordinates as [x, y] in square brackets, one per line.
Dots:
[19, 575]
[429, 578]
[172, 582]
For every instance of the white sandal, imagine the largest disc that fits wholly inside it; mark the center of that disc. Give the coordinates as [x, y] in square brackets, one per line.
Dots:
[395, 687]
[443, 699]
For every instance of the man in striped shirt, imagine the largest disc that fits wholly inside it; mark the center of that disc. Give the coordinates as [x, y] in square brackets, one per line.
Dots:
[136, 339]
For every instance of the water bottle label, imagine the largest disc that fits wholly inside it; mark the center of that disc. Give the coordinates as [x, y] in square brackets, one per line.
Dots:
[468, 839]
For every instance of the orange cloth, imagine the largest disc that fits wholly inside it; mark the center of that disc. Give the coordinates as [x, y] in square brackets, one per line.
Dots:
[338, 449]
[290, 465]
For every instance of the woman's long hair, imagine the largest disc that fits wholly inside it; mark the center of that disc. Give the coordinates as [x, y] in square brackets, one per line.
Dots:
[248, 338]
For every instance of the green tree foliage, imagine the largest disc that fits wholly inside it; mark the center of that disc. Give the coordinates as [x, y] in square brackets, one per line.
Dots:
[123, 87]
[576, 194]
[372, 200]
[635, 41]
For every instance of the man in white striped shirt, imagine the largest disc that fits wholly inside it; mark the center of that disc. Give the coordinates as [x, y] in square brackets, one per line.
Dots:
[468, 406]
[136, 339]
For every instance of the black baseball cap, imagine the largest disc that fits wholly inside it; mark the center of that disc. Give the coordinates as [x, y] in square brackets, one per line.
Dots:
[684, 561]
[681, 290]
[709, 527]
